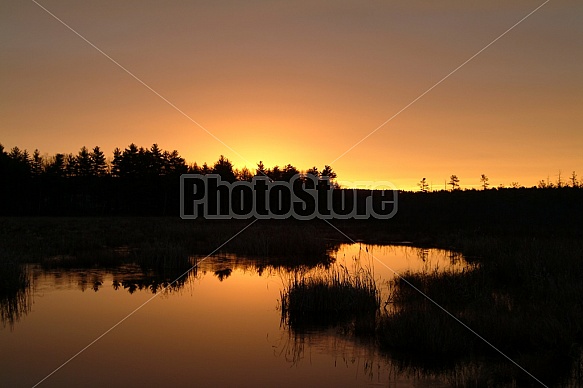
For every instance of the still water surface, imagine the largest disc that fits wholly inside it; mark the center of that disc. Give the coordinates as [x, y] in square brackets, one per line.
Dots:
[221, 327]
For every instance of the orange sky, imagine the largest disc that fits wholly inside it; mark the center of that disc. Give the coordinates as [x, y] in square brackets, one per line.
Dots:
[301, 82]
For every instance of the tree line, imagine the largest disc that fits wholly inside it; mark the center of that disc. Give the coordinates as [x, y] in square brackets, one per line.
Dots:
[138, 180]
[135, 180]
[454, 182]
[135, 162]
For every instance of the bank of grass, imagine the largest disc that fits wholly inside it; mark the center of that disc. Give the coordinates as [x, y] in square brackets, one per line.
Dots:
[155, 241]
[333, 297]
[526, 299]
[15, 292]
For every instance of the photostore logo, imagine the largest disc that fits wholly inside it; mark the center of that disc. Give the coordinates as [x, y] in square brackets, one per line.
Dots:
[304, 197]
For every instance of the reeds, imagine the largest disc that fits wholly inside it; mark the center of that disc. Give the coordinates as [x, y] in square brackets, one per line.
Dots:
[331, 297]
[15, 293]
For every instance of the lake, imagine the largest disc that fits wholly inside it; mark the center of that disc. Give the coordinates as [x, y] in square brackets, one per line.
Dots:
[220, 325]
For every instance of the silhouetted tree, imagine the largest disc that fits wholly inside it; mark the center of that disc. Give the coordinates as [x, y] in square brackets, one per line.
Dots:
[15, 153]
[129, 162]
[156, 160]
[484, 179]
[116, 162]
[194, 169]
[454, 181]
[327, 171]
[70, 165]
[130, 158]
[36, 165]
[573, 178]
[288, 172]
[313, 171]
[175, 164]
[423, 185]
[144, 162]
[224, 168]
[274, 173]
[83, 163]
[98, 162]
[244, 175]
[56, 166]
[3, 156]
[260, 169]
[16, 165]
[19, 162]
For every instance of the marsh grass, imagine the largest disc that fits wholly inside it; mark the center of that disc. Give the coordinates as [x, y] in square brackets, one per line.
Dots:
[331, 297]
[15, 293]
[156, 241]
[525, 298]
[412, 325]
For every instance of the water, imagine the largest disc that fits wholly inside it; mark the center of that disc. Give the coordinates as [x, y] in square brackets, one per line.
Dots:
[219, 327]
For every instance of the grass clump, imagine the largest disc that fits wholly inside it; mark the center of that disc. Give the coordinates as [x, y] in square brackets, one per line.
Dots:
[330, 298]
[15, 295]
[412, 326]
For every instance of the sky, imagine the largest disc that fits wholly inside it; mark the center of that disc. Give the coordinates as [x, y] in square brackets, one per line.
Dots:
[304, 82]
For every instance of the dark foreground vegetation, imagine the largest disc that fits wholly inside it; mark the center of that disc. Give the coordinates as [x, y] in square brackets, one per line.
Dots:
[525, 295]
[14, 293]
[331, 298]
[525, 298]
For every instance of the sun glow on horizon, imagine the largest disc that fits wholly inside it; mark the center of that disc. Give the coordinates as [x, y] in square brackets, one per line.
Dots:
[303, 83]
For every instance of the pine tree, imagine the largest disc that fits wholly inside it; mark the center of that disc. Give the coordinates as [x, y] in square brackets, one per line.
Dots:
[484, 179]
[98, 162]
[83, 161]
[454, 181]
[224, 168]
[36, 163]
[423, 185]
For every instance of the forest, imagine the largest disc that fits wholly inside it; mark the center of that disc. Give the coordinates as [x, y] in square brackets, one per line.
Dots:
[135, 181]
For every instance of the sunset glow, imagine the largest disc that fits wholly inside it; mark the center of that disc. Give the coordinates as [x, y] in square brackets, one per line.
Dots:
[302, 83]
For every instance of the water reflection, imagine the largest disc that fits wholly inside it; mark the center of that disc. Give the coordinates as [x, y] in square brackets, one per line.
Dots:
[222, 274]
[16, 288]
[223, 314]
[129, 277]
